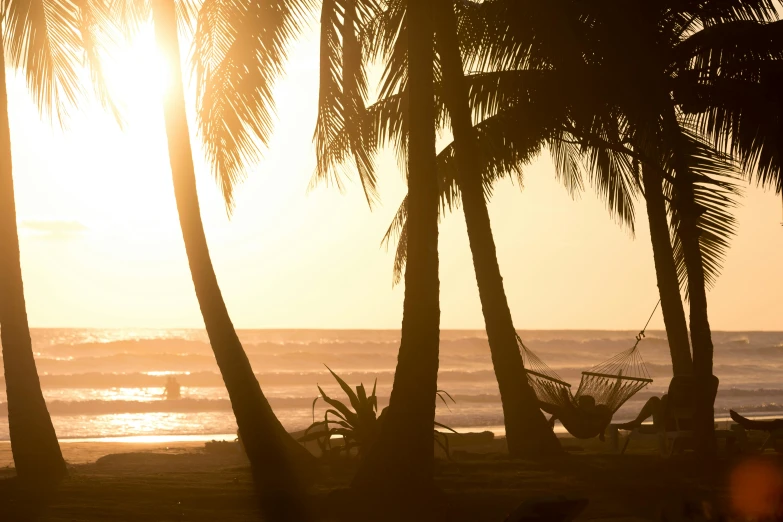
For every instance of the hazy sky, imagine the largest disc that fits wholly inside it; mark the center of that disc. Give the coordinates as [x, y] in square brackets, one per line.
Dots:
[101, 245]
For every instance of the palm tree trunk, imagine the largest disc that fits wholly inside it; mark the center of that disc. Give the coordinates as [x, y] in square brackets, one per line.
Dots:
[34, 445]
[666, 273]
[701, 335]
[268, 446]
[402, 458]
[527, 431]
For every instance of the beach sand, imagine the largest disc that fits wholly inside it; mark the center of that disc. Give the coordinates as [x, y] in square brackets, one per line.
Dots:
[184, 481]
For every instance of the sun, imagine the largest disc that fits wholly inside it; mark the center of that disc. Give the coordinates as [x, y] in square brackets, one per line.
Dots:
[118, 167]
[137, 73]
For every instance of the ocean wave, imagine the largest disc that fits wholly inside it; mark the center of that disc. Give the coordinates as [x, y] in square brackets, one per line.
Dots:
[567, 358]
[207, 378]
[738, 376]
[101, 407]
[766, 400]
[724, 394]
[98, 407]
[293, 361]
[142, 339]
[757, 408]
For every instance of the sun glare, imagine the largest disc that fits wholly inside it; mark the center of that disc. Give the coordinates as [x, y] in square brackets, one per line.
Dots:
[138, 73]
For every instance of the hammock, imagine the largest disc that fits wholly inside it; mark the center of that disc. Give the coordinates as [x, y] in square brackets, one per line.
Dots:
[610, 383]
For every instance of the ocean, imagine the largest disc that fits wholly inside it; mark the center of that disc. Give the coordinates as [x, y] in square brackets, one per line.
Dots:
[110, 383]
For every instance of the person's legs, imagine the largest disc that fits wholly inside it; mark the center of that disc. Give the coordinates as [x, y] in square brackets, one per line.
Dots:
[551, 409]
[659, 413]
[771, 425]
[652, 408]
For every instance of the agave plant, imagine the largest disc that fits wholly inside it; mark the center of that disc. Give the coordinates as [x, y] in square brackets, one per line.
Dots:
[358, 423]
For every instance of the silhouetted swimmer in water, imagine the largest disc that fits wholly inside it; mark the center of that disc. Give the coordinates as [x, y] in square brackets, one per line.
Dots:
[172, 390]
[584, 420]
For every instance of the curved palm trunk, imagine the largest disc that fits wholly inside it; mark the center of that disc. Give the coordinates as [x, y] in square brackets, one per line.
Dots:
[402, 458]
[701, 335]
[527, 431]
[34, 443]
[268, 446]
[666, 274]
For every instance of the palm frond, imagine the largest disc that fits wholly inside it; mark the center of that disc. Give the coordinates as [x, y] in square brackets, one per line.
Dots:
[240, 50]
[713, 184]
[44, 39]
[330, 110]
[342, 94]
[742, 119]
[566, 158]
[505, 146]
[521, 35]
[354, 96]
[395, 72]
[187, 15]
[722, 11]
[98, 31]
[381, 123]
[724, 47]
[130, 15]
[613, 175]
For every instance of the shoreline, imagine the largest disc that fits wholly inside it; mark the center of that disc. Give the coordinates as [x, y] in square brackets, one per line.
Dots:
[498, 430]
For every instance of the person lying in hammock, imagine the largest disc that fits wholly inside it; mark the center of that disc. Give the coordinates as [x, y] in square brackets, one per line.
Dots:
[584, 420]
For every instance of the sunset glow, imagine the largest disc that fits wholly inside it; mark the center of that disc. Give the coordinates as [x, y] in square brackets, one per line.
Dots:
[393, 260]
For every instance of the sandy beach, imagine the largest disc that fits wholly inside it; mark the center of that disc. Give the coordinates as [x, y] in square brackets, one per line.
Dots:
[184, 481]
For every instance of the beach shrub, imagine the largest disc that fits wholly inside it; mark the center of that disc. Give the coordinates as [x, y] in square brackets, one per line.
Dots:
[356, 423]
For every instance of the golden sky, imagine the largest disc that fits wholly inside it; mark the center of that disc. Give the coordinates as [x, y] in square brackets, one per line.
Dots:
[101, 245]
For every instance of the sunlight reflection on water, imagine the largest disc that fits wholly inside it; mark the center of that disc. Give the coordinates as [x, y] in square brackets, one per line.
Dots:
[101, 384]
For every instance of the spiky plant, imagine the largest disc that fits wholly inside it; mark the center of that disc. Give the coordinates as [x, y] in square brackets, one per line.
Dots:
[357, 422]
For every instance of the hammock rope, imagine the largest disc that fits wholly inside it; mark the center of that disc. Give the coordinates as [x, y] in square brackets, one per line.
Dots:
[547, 384]
[610, 383]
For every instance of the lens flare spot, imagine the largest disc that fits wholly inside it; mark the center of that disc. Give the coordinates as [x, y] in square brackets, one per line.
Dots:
[757, 489]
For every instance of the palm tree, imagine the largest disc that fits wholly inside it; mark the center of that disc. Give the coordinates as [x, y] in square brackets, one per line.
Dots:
[47, 39]
[346, 129]
[237, 60]
[33, 440]
[666, 274]
[700, 221]
[505, 143]
[515, 36]
[638, 58]
[403, 458]
[527, 431]
[736, 101]
[714, 227]
[270, 449]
